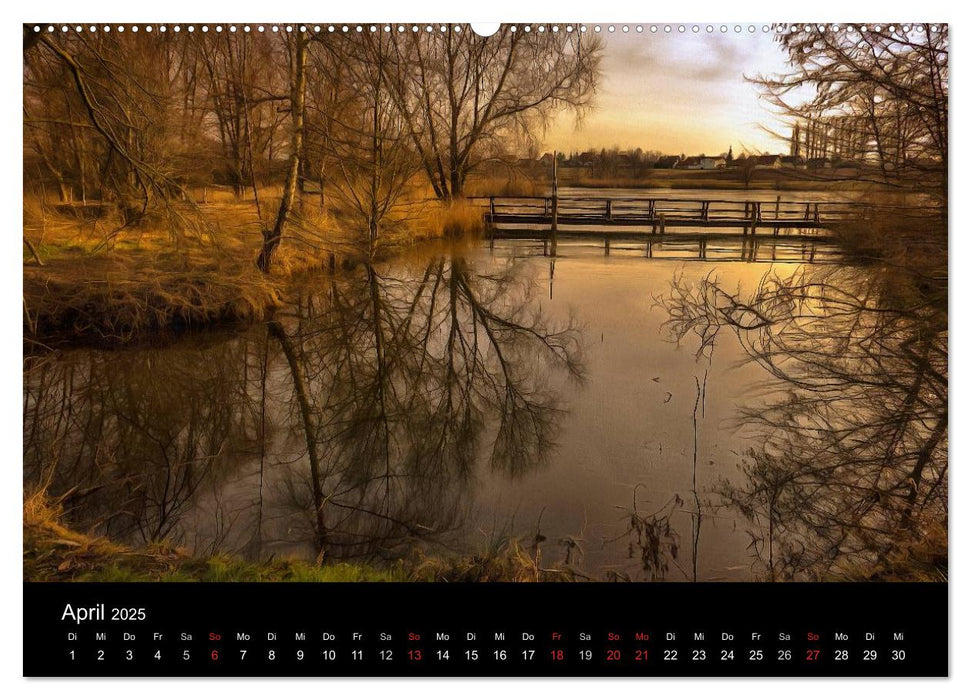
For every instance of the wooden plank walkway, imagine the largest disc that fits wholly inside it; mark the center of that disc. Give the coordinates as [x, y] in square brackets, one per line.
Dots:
[660, 214]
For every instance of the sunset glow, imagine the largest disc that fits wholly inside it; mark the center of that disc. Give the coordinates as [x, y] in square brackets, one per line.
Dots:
[679, 93]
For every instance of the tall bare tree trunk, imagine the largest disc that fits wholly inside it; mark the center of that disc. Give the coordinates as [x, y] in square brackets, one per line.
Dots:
[271, 239]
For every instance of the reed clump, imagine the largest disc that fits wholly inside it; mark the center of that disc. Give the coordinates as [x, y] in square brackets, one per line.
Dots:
[455, 219]
[507, 561]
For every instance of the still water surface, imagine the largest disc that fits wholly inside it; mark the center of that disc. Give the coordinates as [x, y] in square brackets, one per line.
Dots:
[445, 401]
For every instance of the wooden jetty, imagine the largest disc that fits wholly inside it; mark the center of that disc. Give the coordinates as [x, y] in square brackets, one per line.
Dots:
[661, 215]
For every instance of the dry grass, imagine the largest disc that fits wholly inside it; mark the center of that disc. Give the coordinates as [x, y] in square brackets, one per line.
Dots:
[922, 558]
[512, 185]
[507, 562]
[454, 220]
[100, 282]
[54, 552]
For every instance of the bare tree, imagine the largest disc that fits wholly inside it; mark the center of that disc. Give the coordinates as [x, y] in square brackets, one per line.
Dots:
[463, 95]
[880, 95]
[366, 156]
[297, 52]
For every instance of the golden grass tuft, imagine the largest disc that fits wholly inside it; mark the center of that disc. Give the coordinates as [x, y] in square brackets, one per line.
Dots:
[454, 220]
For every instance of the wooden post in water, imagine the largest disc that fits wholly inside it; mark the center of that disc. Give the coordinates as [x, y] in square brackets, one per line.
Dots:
[491, 228]
[662, 224]
[555, 211]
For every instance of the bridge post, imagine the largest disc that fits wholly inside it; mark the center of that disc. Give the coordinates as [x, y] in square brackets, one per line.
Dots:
[609, 213]
[492, 209]
[555, 203]
[662, 224]
[816, 214]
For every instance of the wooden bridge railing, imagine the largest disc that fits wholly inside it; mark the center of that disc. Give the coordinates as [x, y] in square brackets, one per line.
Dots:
[609, 209]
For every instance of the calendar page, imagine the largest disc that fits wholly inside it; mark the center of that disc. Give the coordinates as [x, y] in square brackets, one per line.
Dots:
[410, 349]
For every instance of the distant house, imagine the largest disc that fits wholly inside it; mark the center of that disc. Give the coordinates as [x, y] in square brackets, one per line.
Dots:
[793, 161]
[817, 163]
[587, 159]
[701, 163]
[765, 161]
[667, 162]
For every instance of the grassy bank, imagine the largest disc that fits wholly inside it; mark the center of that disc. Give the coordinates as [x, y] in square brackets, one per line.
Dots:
[52, 551]
[91, 279]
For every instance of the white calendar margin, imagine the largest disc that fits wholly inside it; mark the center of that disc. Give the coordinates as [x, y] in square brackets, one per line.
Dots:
[604, 12]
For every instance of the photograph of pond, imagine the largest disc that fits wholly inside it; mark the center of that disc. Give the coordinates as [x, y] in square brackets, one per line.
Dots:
[561, 304]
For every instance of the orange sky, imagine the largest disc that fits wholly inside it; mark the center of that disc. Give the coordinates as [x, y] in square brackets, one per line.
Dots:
[678, 93]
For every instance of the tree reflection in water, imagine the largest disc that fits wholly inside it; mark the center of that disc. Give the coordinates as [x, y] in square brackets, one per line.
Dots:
[368, 404]
[405, 382]
[851, 473]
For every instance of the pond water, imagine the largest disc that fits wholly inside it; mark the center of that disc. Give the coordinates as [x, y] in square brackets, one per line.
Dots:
[447, 401]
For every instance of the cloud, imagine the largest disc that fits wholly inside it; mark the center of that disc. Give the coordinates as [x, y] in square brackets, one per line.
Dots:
[678, 92]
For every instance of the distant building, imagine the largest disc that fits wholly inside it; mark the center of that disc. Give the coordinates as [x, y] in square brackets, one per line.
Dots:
[817, 163]
[586, 159]
[667, 162]
[765, 161]
[701, 163]
[793, 161]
